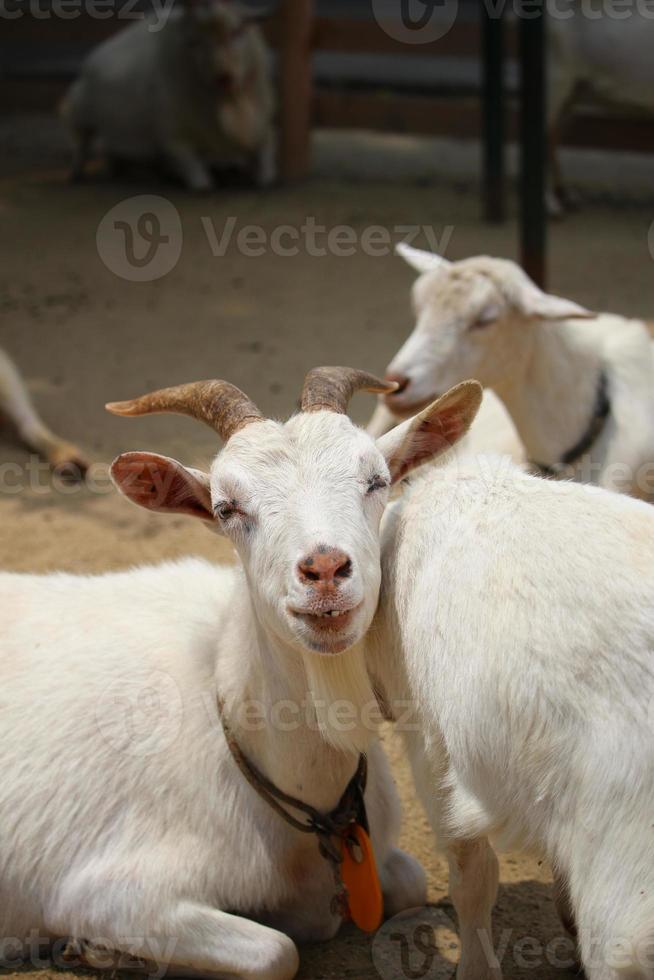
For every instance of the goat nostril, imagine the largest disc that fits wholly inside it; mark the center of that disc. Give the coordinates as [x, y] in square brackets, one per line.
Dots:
[400, 380]
[325, 566]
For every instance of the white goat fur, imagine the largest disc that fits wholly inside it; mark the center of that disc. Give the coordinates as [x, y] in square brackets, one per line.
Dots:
[517, 616]
[607, 56]
[152, 92]
[16, 404]
[143, 844]
[484, 318]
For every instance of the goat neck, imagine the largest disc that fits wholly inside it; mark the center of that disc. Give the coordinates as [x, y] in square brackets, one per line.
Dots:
[553, 401]
[269, 704]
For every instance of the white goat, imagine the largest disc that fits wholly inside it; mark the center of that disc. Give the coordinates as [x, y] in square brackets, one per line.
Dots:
[124, 820]
[517, 616]
[17, 406]
[580, 391]
[190, 86]
[606, 54]
[492, 430]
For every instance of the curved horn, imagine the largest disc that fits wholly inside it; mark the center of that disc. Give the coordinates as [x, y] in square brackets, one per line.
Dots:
[221, 405]
[329, 389]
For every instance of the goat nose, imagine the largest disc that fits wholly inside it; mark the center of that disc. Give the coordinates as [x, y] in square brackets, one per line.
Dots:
[324, 567]
[401, 380]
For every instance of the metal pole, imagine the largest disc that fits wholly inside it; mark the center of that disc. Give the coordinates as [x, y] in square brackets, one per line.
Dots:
[533, 139]
[296, 88]
[493, 111]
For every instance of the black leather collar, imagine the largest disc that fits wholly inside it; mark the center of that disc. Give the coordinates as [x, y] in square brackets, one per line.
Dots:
[600, 414]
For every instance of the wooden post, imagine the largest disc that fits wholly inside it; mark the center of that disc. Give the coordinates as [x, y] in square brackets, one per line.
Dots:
[493, 112]
[295, 88]
[533, 138]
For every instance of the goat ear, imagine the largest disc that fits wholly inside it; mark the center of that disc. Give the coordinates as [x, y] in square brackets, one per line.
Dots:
[533, 302]
[435, 430]
[420, 260]
[162, 484]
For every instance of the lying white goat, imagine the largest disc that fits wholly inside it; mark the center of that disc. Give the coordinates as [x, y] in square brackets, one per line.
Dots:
[124, 819]
[192, 90]
[580, 391]
[517, 616]
[17, 406]
[604, 54]
[492, 430]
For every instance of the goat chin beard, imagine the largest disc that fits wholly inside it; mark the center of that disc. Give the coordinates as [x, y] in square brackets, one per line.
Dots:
[342, 698]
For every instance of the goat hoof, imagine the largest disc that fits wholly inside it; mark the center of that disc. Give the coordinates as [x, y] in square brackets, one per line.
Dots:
[69, 463]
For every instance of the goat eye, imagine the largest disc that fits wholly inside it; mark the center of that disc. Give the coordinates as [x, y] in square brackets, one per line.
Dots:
[376, 482]
[485, 319]
[225, 510]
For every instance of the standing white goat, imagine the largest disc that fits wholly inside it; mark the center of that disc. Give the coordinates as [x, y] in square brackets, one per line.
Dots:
[606, 54]
[17, 406]
[124, 820]
[579, 391]
[192, 90]
[517, 616]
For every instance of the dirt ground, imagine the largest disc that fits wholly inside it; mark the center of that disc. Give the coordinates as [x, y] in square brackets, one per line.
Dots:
[84, 335]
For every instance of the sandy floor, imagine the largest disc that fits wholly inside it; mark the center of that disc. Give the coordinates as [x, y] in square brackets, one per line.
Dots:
[84, 335]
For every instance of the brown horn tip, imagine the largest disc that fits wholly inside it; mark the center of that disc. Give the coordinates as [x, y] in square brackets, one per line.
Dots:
[219, 404]
[123, 408]
[329, 389]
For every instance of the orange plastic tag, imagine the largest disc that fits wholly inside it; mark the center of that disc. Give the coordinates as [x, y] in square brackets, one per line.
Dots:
[359, 873]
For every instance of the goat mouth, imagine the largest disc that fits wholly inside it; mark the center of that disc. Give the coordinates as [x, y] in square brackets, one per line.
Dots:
[332, 620]
[400, 405]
